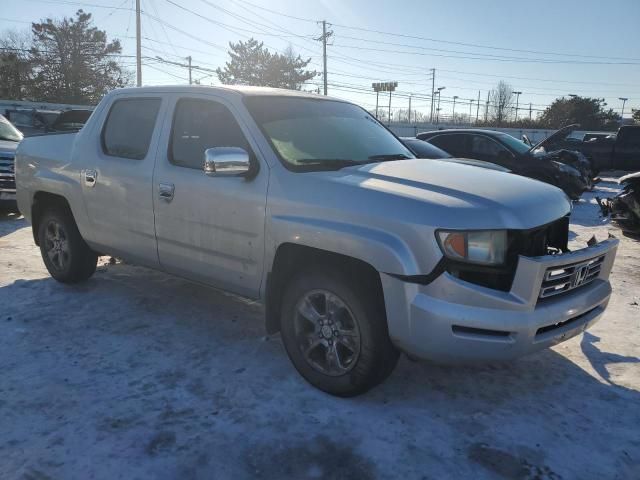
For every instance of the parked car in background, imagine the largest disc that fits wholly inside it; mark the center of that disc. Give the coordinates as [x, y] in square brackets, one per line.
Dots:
[422, 149]
[9, 139]
[358, 249]
[618, 151]
[513, 154]
[37, 122]
[31, 121]
[69, 121]
[587, 137]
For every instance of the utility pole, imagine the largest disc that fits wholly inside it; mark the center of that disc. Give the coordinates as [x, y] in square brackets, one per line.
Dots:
[517, 103]
[409, 108]
[453, 113]
[187, 65]
[530, 109]
[323, 38]
[439, 91]
[138, 47]
[433, 91]
[478, 107]
[377, 97]
[486, 109]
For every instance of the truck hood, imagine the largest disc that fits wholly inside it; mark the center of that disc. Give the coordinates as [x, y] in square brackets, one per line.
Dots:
[557, 135]
[458, 195]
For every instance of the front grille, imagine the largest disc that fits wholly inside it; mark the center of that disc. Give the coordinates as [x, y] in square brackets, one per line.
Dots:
[564, 278]
[7, 172]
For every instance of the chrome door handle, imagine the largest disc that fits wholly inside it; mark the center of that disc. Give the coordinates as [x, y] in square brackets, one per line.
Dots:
[165, 191]
[90, 178]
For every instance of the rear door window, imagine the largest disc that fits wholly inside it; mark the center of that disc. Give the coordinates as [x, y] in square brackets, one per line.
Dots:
[454, 144]
[129, 127]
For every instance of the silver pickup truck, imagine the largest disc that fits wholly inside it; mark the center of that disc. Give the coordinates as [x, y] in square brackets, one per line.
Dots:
[357, 249]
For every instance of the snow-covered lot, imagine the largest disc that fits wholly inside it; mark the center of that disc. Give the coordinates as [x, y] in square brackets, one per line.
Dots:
[137, 374]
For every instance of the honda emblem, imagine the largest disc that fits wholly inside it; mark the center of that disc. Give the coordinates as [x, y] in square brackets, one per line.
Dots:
[580, 275]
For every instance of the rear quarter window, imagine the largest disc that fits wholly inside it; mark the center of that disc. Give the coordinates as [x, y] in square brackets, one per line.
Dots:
[129, 127]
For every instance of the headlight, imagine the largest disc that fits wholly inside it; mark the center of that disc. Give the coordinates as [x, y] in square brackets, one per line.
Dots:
[488, 247]
[563, 167]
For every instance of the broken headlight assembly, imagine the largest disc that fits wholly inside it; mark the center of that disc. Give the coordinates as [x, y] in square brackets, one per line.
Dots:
[479, 247]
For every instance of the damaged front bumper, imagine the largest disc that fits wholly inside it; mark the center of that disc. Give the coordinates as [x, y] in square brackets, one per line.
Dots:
[451, 320]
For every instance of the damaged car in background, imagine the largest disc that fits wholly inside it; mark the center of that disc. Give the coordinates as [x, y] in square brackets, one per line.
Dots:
[567, 170]
[624, 208]
[617, 151]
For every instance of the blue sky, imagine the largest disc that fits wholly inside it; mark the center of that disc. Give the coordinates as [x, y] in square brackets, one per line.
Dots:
[586, 47]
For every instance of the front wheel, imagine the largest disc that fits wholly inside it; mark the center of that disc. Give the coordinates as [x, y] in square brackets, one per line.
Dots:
[65, 254]
[335, 332]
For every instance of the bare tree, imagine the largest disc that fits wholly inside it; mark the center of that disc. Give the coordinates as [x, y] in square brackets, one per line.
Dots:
[500, 102]
[15, 65]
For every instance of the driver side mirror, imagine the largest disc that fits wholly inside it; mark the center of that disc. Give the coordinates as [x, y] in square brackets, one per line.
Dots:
[226, 162]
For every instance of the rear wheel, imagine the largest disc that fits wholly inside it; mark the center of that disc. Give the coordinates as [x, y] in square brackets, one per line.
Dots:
[65, 254]
[335, 332]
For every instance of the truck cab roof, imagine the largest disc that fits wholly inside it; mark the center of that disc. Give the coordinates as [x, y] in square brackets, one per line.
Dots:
[242, 90]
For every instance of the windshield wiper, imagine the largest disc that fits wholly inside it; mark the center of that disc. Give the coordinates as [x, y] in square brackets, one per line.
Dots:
[325, 163]
[389, 156]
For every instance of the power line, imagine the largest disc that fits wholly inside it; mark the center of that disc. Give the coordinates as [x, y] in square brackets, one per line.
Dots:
[488, 57]
[435, 40]
[79, 4]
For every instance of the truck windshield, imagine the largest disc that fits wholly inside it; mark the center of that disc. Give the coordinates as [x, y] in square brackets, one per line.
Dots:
[8, 132]
[309, 134]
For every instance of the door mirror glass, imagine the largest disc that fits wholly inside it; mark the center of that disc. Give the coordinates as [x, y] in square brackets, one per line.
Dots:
[226, 161]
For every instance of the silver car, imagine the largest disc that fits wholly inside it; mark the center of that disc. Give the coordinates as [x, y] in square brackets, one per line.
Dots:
[358, 250]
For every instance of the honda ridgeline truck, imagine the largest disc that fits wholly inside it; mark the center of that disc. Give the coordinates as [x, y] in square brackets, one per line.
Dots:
[358, 250]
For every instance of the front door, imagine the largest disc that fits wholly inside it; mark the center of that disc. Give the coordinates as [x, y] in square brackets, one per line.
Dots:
[117, 183]
[209, 229]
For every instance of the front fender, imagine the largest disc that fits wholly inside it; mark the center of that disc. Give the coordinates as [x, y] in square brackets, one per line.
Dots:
[382, 250]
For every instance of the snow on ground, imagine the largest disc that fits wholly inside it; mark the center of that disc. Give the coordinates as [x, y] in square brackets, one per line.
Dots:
[137, 374]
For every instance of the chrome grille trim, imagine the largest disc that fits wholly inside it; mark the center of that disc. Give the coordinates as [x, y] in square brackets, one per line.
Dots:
[564, 278]
[7, 173]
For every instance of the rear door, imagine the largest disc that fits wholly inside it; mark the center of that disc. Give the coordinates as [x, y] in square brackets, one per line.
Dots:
[117, 178]
[209, 229]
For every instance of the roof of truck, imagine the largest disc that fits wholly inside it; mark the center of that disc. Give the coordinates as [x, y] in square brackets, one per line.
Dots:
[244, 90]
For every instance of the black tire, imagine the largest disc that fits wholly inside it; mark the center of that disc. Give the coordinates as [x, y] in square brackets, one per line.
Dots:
[376, 358]
[75, 262]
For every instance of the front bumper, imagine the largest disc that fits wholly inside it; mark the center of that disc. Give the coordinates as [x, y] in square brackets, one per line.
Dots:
[453, 321]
